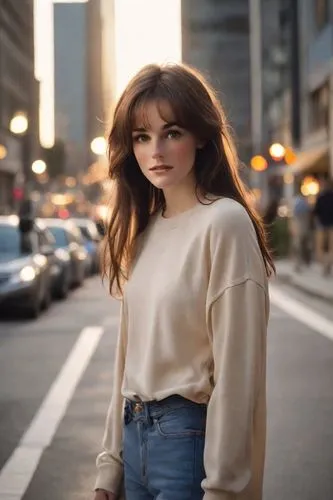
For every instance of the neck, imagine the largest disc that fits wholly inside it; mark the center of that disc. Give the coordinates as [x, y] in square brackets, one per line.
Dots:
[179, 198]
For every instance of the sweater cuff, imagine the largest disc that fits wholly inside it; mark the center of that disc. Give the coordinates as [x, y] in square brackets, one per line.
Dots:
[110, 478]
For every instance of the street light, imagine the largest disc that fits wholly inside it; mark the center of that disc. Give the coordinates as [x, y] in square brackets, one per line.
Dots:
[3, 152]
[38, 167]
[259, 163]
[290, 157]
[98, 146]
[277, 151]
[19, 123]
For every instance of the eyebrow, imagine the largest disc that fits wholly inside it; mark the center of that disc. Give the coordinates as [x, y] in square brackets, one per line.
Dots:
[165, 127]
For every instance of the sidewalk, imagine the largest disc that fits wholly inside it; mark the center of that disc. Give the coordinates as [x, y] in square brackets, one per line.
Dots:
[309, 280]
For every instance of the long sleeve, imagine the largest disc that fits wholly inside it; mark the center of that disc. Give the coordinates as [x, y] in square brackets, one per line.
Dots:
[109, 462]
[235, 431]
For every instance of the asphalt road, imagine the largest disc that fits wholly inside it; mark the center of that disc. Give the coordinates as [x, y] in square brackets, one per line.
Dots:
[55, 379]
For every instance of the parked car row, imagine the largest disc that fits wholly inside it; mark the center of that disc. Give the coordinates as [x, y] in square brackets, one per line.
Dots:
[42, 259]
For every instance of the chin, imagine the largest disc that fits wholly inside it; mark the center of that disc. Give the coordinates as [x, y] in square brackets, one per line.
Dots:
[163, 184]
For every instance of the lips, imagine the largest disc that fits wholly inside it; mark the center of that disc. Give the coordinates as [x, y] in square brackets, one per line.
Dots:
[160, 168]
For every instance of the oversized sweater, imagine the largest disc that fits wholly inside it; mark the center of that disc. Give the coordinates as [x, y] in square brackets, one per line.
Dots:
[194, 322]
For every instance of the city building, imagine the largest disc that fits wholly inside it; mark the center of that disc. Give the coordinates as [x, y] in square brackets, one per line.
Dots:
[292, 84]
[19, 101]
[215, 39]
[83, 61]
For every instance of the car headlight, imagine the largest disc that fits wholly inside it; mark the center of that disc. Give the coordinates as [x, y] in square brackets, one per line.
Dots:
[27, 274]
[61, 254]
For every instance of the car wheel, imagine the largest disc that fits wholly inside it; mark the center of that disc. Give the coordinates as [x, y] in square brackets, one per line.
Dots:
[63, 290]
[34, 309]
[47, 299]
[81, 277]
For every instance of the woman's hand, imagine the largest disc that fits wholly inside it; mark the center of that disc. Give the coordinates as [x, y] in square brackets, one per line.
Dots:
[104, 495]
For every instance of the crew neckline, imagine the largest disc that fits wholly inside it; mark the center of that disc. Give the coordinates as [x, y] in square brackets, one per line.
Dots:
[175, 220]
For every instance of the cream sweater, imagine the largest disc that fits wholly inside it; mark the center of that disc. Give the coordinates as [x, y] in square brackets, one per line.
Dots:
[193, 322]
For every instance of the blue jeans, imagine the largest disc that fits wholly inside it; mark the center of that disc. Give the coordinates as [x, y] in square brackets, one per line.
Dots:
[163, 449]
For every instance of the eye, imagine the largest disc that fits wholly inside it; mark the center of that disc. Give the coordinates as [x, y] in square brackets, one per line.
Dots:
[140, 138]
[173, 134]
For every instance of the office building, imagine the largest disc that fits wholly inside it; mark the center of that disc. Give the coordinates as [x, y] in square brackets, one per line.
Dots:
[18, 100]
[294, 87]
[215, 39]
[83, 39]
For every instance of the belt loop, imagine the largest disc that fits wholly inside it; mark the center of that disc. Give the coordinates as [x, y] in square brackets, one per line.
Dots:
[149, 419]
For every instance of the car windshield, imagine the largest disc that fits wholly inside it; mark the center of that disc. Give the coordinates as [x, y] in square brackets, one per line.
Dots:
[60, 236]
[88, 231]
[12, 243]
[85, 233]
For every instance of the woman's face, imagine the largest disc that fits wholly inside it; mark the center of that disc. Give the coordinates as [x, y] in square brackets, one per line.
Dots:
[164, 151]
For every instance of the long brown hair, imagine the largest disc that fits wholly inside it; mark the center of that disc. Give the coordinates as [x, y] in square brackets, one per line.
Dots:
[135, 199]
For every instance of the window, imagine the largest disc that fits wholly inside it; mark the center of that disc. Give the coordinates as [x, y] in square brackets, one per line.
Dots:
[321, 13]
[9, 241]
[319, 102]
[60, 236]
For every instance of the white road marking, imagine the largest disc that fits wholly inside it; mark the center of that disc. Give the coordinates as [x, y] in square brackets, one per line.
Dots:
[21, 465]
[301, 312]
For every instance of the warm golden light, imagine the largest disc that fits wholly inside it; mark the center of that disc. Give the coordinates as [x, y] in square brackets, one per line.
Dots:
[290, 157]
[310, 186]
[44, 68]
[259, 163]
[3, 152]
[147, 31]
[277, 151]
[38, 167]
[98, 146]
[62, 199]
[19, 123]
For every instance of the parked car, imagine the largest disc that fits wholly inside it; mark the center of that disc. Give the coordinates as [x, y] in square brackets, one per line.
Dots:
[26, 260]
[92, 240]
[61, 266]
[68, 238]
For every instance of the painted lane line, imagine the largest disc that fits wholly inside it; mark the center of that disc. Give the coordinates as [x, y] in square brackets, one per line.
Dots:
[301, 312]
[21, 465]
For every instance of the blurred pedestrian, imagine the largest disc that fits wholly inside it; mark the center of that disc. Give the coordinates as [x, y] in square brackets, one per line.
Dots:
[301, 227]
[323, 212]
[269, 218]
[190, 262]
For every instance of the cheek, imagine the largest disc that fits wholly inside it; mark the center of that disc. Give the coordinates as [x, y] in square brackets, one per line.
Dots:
[185, 151]
[141, 155]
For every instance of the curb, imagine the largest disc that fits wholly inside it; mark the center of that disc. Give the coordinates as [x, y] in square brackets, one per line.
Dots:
[308, 289]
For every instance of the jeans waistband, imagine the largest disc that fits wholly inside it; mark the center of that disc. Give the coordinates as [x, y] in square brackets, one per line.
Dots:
[157, 408]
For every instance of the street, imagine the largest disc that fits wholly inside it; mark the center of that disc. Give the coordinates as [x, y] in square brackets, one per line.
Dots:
[55, 379]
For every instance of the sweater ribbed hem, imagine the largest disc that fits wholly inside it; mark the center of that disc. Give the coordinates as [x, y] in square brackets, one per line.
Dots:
[110, 478]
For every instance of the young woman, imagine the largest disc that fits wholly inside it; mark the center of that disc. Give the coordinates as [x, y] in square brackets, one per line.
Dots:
[187, 255]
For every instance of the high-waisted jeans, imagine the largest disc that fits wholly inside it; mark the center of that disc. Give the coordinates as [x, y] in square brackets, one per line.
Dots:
[163, 449]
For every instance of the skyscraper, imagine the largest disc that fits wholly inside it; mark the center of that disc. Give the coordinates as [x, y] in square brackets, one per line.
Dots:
[81, 76]
[18, 98]
[215, 38]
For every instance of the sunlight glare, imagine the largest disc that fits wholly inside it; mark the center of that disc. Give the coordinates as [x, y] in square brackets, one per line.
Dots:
[147, 31]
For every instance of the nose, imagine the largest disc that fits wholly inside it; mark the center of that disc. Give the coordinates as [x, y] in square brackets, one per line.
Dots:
[157, 151]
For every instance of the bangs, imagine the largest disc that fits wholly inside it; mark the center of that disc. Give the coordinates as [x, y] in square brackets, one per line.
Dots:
[169, 108]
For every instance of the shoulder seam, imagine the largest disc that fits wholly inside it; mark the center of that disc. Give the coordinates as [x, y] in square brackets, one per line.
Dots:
[239, 282]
